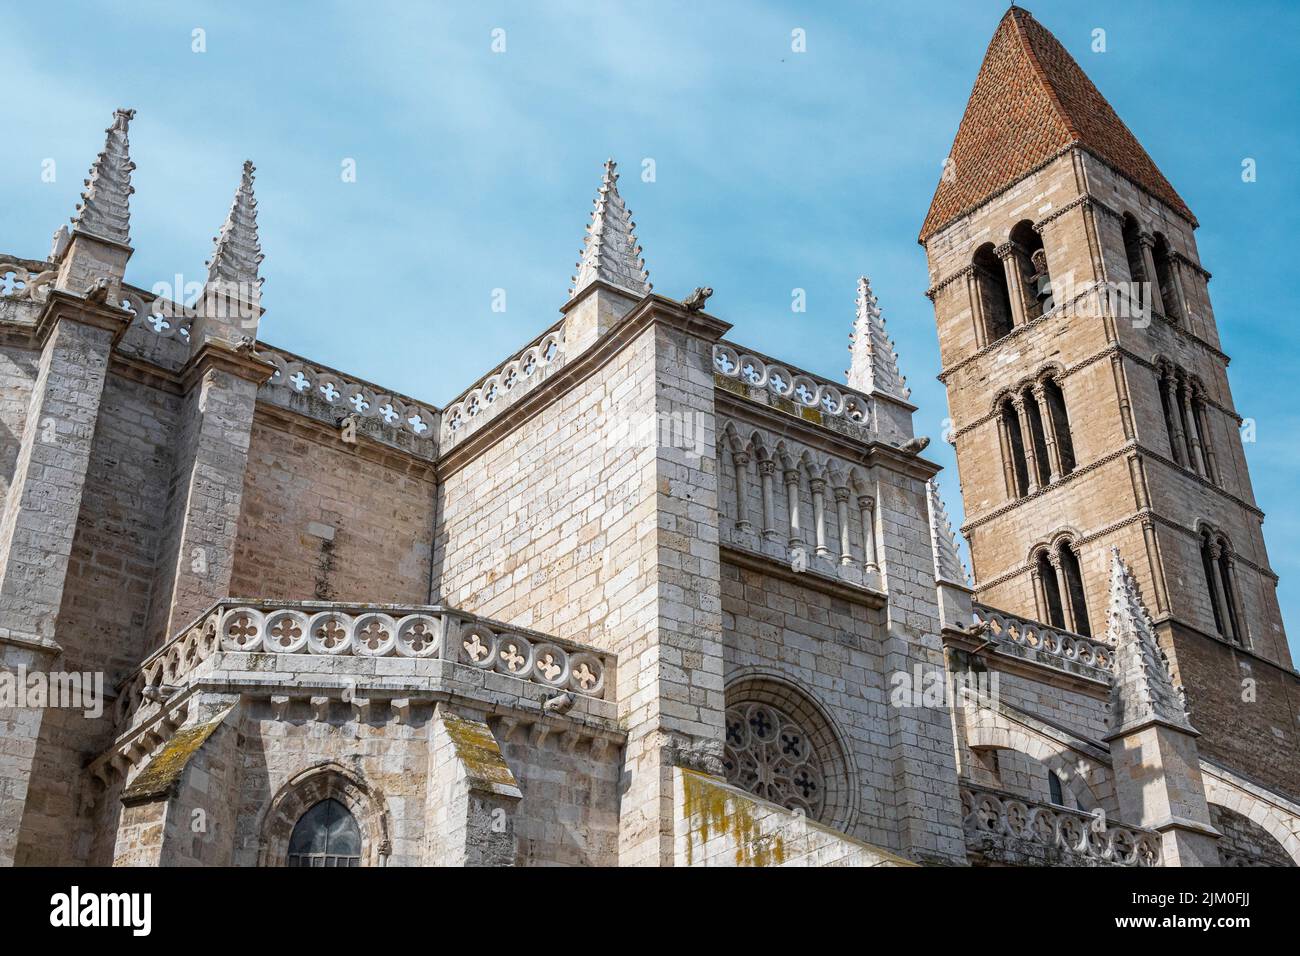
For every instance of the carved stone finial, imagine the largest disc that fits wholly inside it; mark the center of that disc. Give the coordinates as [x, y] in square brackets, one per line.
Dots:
[104, 210]
[610, 252]
[1143, 689]
[948, 566]
[874, 366]
[238, 254]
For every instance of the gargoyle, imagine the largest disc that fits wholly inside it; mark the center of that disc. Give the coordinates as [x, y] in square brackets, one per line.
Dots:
[695, 301]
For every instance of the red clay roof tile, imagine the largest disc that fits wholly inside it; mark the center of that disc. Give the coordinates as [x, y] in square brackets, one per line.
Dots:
[1031, 100]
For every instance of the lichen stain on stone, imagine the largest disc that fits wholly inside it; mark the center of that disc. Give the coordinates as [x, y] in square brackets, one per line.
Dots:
[165, 769]
[709, 809]
[478, 750]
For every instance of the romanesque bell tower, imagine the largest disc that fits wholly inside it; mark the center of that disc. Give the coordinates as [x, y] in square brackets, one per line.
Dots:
[1089, 395]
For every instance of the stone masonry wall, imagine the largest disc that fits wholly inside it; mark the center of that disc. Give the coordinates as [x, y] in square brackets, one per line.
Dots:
[324, 520]
[830, 648]
[106, 599]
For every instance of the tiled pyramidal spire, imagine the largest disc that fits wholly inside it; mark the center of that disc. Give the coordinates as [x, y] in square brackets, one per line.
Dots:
[1142, 690]
[948, 566]
[104, 207]
[238, 253]
[610, 252]
[874, 366]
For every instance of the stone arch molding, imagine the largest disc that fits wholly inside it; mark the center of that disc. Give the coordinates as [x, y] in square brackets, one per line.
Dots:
[325, 781]
[1082, 776]
[790, 700]
[1281, 825]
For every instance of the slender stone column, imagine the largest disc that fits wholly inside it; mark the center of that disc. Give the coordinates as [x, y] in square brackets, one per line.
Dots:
[1063, 589]
[1049, 432]
[1027, 442]
[842, 516]
[741, 462]
[1193, 433]
[866, 512]
[1221, 591]
[792, 499]
[1040, 594]
[1153, 296]
[976, 307]
[1007, 252]
[1178, 442]
[1207, 439]
[766, 469]
[1008, 464]
[818, 487]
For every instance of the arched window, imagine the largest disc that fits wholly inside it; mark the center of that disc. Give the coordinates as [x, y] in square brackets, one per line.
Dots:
[326, 835]
[781, 747]
[1058, 586]
[1034, 433]
[1166, 279]
[1013, 443]
[1077, 619]
[1055, 792]
[1136, 263]
[1221, 585]
[1183, 403]
[1050, 608]
[1038, 437]
[1060, 424]
[994, 299]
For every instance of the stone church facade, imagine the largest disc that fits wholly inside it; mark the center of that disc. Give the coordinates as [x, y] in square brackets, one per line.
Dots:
[642, 595]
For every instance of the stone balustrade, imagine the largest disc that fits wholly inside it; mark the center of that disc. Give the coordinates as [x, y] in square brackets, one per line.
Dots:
[348, 396]
[369, 631]
[1005, 828]
[807, 392]
[18, 282]
[1046, 645]
[517, 375]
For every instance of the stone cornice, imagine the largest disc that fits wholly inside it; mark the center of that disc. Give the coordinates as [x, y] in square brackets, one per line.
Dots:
[63, 305]
[1128, 448]
[1114, 348]
[810, 579]
[1170, 620]
[650, 311]
[1063, 311]
[1067, 148]
[862, 453]
[1139, 516]
[215, 356]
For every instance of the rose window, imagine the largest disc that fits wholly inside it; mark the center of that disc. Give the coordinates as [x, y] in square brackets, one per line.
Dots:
[769, 754]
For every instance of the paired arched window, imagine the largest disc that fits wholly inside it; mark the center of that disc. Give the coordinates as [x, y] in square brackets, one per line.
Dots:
[1012, 284]
[326, 835]
[1186, 421]
[1221, 585]
[1151, 263]
[1058, 588]
[1034, 431]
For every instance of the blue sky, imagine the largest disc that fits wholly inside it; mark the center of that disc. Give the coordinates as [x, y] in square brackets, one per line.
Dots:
[775, 170]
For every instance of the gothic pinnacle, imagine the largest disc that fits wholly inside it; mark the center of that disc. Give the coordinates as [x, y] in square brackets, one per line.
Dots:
[610, 252]
[948, 566]
[874, 365]
[104, 210]
[1142, 689]
[237, 253]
